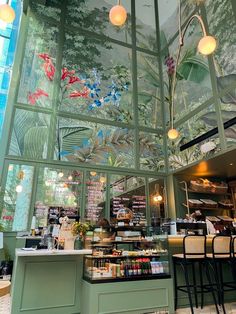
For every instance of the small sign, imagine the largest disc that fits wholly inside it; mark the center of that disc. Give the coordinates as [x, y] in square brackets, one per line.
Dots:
[55, 231]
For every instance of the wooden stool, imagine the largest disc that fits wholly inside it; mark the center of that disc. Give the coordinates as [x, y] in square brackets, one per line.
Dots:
[221, 254]
[194, 254]
[5, 287]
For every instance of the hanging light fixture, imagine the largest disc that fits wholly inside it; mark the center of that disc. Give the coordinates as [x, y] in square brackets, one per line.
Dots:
[118, 15]
[19, 188]
[206, 46]
[7, 14]
[157, 198]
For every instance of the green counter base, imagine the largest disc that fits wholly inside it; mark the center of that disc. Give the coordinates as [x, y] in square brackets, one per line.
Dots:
[129, 297]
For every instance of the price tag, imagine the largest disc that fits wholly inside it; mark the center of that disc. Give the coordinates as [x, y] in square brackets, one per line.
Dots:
[55, 231]
[121, 224]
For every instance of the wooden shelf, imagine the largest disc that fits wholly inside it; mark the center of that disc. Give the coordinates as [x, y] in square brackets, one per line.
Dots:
[210, 193]
[208, 208]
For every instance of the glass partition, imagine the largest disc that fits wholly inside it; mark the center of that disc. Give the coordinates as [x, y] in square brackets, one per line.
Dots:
[58, 193]
[128, 193]
[17, 197]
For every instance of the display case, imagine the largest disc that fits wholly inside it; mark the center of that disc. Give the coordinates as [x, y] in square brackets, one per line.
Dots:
[127, 253]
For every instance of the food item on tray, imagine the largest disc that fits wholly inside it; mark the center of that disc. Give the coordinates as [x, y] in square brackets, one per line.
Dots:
[226, 203]
[194, 203]
[124, 214]
[205, 185]
[225, 218]
[212, 218]
[209, 203]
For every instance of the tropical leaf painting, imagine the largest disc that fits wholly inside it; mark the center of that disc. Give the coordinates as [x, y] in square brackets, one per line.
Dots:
[30, 134]
[196, 126]
[94, 144]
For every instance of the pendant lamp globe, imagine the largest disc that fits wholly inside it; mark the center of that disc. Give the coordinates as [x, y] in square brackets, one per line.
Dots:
[173, 134]
[207, 45]
[118, 15]
[7, 14]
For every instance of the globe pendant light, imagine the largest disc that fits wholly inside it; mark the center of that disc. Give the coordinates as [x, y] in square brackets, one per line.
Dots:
[118, 15]
[207, 45]
[7, 14]
[172, 134]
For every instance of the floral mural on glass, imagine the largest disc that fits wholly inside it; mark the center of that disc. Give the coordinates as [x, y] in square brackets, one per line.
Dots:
[222, 24]
[94, 16]
[145, 24]
[38, 71]
[101, 83]
[88, 142]
[16, 198]
[151, 151]
[196, 126]
[149, 102]
[29, 134]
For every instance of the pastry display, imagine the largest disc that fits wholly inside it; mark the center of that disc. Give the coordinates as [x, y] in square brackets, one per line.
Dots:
[225, 218]
[209, 203]
[194, 203]
[124, 214]
[227, 204]
[205, 185]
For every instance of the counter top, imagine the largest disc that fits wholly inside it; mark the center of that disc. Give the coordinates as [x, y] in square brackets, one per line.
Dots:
[24, 252]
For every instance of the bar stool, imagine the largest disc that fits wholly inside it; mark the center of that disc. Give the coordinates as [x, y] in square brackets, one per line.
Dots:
[233, 258]
[194, 253]
[221, 254]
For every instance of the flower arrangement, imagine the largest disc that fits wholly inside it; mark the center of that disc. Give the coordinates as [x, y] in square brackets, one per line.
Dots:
[79, 228]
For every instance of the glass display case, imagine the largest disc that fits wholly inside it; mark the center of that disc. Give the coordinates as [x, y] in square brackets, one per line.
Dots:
[127, 253]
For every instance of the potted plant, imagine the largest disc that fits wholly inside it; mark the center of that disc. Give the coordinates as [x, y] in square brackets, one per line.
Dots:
[79, 230]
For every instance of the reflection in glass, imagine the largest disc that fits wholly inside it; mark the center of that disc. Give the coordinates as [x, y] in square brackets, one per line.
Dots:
[30, 134]
[16, 199]
[157, 200]
[94, 143]
[95, 196]
[128, 192]
[58, 190]
[38, 70]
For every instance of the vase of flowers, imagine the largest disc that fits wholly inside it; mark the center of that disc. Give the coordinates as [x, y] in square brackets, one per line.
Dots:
[79, 230]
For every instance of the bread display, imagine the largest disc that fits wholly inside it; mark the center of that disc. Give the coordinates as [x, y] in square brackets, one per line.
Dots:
[209, 203]
[205, 185]
[227, 204]
[193, 203]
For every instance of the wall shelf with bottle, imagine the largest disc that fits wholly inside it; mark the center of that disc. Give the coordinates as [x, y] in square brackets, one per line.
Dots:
[127, 254]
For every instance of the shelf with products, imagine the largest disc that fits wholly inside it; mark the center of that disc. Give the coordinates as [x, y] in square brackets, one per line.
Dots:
[205, 192]
[208, 208]
[143, 257]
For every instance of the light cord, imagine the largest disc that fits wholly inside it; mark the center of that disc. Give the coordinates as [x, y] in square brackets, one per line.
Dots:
[181, 43]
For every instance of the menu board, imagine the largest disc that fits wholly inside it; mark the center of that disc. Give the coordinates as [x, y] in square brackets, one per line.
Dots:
[137, 203]
[95, 200]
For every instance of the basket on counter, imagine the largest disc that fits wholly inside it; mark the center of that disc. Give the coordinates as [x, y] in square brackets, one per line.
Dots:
[204, 185]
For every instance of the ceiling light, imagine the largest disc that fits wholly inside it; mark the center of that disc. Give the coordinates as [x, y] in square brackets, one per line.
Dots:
[207, 45]
[157, 198]
[7, 14]
[19, 188]
[173, 134]
[60, 174]
[118, 15]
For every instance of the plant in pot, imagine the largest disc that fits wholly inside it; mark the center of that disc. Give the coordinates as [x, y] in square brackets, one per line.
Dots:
[79, 230]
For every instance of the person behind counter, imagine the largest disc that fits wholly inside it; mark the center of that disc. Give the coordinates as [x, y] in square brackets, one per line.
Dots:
[103, 230]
